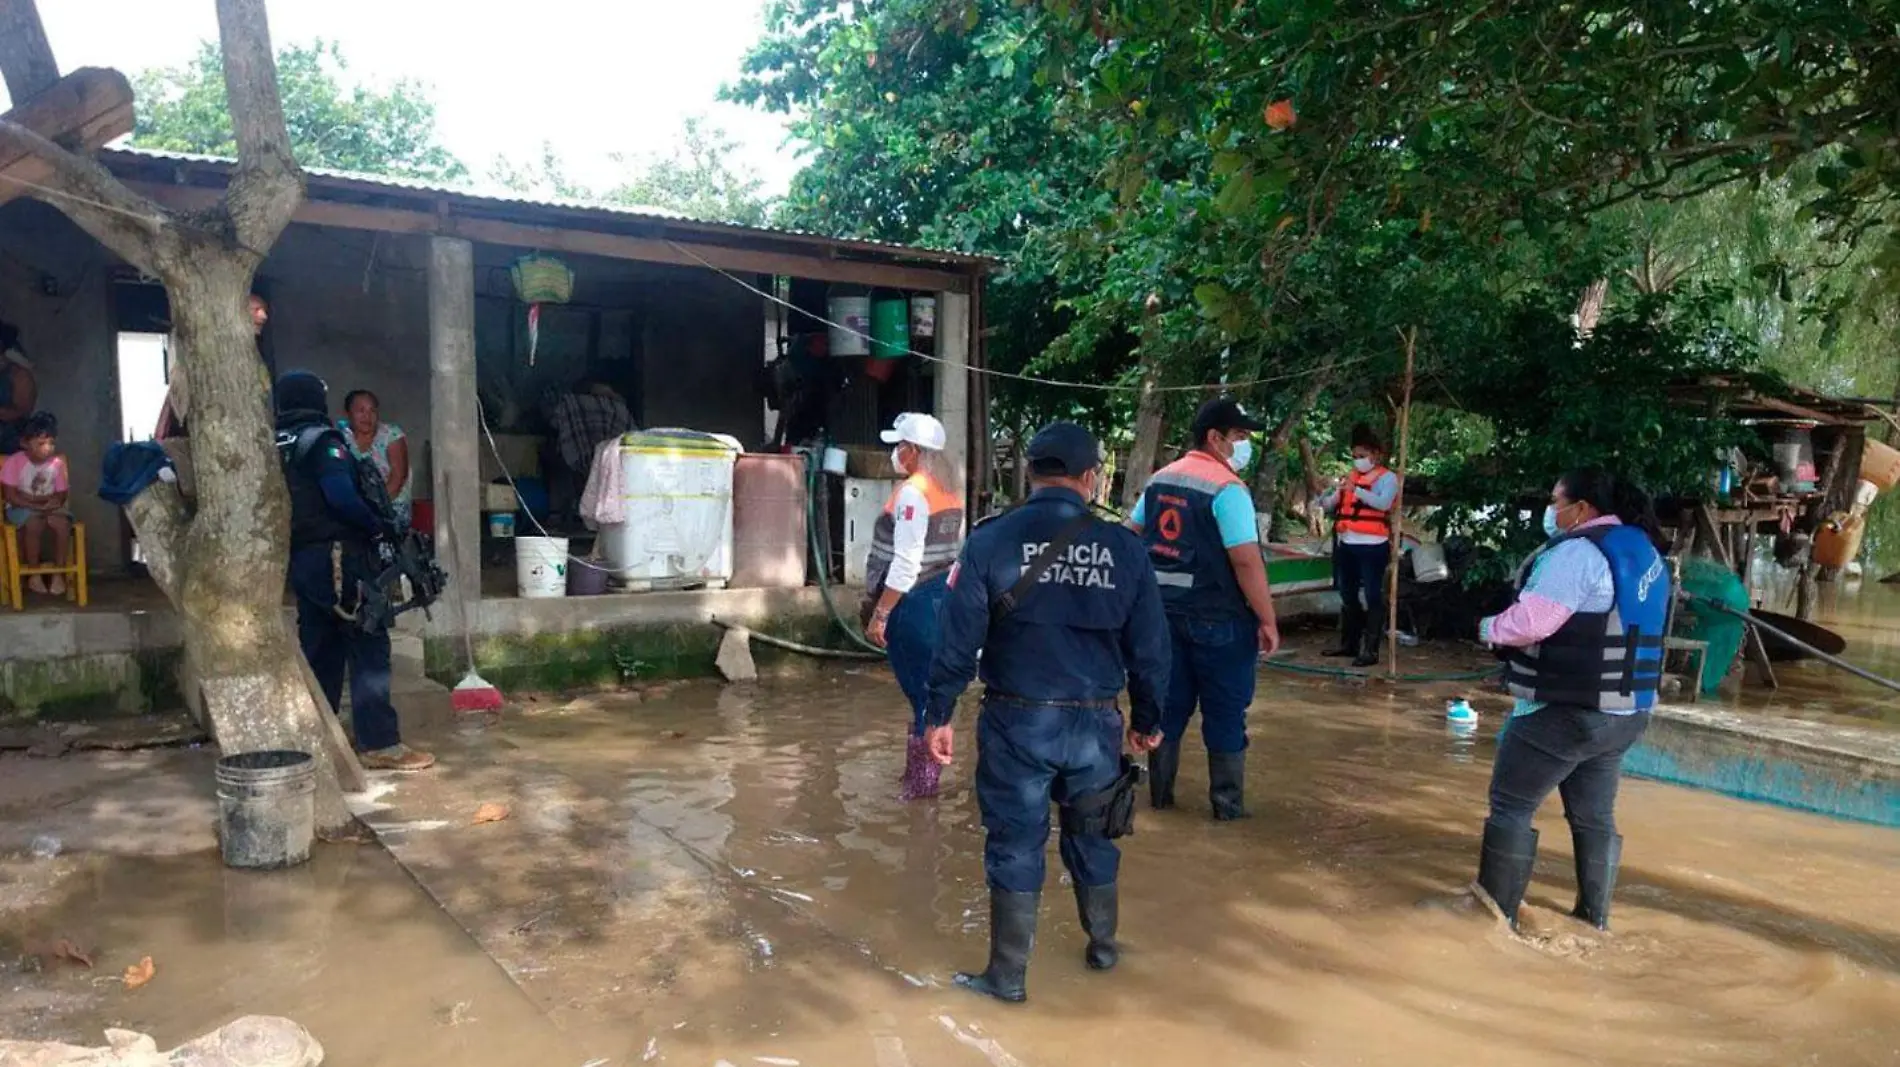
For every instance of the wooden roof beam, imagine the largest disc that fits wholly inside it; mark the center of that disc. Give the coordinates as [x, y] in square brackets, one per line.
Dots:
[682, 253]
[82, 111]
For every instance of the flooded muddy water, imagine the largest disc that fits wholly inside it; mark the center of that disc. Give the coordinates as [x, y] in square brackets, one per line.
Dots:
[724, 875]
[1865, 613]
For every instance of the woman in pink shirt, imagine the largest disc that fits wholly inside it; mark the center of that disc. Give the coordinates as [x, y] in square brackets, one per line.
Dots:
[35, 485]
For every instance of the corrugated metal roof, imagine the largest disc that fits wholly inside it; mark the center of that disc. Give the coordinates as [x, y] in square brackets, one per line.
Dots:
[502, 195]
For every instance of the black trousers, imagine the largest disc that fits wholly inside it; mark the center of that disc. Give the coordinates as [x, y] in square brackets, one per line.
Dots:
[1574, 750]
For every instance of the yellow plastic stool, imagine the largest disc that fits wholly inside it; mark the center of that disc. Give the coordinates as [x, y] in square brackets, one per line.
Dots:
[11, 556]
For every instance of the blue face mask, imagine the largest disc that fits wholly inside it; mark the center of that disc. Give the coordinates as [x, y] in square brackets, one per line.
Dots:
[1550, 521]
[1243, 454]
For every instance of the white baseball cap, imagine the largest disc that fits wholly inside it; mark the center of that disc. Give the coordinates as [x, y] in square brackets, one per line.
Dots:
[918, 429]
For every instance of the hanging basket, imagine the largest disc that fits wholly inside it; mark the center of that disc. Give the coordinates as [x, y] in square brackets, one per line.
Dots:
[542, 279]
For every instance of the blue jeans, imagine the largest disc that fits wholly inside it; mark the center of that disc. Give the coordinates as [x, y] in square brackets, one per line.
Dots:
[332, 644]
[1214, 667]
[1576, 751]
[1359, 570]
[1029, 755]
[910, 637]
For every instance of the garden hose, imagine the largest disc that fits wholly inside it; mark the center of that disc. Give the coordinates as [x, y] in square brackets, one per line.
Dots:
[1341, 672]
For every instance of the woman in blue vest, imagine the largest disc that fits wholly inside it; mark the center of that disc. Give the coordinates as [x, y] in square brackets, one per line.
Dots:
[1583, 651]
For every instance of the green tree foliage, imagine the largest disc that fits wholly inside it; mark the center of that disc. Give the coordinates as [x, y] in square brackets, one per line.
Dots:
[1259, 194]
[389, 130]
[698, 177]
[929, 123]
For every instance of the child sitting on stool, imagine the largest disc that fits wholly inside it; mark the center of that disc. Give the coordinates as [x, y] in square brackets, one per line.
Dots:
[34, 482]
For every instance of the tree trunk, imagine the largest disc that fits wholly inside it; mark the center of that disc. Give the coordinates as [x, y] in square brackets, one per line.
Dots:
[1266, 478]
[226, 568]
[1150, 423]
[222, 562]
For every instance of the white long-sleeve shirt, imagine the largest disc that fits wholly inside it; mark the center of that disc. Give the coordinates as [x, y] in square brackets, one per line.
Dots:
[910, 515]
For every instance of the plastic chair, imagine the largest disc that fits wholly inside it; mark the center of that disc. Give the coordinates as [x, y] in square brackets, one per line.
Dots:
[17, 571]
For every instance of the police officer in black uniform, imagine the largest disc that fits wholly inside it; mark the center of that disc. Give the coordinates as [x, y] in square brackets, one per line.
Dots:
[334, 532]
[1057, 651]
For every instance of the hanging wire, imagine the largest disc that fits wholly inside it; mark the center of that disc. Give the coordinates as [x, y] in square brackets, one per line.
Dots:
[1107, 387]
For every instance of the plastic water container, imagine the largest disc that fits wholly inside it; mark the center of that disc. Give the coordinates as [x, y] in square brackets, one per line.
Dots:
[501, 524]
[1428, 562]
[267, 808]
[837, 461]
[1461, 717]
[541, 567]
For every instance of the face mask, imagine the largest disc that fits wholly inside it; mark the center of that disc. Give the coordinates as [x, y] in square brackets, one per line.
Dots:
[1551, 529]
[1243, 454]
[897, 459]
[1362, 464]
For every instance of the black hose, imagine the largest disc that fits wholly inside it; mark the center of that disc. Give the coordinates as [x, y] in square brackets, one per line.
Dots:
[1832, 660]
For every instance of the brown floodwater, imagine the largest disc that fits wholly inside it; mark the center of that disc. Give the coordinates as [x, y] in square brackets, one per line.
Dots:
[1864, 612]
[724, 875]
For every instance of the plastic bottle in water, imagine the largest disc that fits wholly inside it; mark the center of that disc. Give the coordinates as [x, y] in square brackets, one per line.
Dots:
[1460, 717]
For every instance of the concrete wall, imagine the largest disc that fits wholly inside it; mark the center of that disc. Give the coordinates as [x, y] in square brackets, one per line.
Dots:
[681, 344]
[353, 308]
[69, 334]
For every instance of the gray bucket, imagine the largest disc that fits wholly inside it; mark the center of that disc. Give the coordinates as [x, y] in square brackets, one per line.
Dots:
[267, 809]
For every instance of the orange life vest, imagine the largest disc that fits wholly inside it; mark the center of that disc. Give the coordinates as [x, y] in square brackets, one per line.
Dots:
[1357, 516]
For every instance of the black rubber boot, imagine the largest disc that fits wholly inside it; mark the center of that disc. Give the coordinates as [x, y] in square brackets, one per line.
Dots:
[1100, 912]
[1352, 629]
[1598, 856]
[1370, 640]
[1163, 764]
[1227, 785]
[1012, 935]
[1504, 867]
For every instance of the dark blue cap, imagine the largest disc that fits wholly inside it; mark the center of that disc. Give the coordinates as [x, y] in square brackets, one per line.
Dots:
[1064, 449]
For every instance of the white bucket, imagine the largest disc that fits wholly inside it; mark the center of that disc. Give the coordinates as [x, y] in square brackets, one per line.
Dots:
[852, 334]
[1428, 562]
[837, 461]
[541, 566]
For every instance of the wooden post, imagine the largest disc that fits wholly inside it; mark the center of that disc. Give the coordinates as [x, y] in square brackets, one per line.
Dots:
[1397, 513]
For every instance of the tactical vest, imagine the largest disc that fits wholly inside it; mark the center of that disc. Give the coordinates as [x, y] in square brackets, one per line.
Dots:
[1355, 515]
[1184, 542]
[1608, 660]
[311, 520]
[940, 541]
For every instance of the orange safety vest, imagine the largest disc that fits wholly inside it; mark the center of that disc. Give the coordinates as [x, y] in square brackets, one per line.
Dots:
[1357, 516]
[941, 541]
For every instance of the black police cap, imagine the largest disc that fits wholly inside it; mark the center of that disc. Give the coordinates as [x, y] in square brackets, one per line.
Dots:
[1064, 449]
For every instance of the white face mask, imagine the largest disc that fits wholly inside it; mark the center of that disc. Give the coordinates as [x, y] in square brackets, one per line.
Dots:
[1242, 455]
[897, 459]
[1362, 464]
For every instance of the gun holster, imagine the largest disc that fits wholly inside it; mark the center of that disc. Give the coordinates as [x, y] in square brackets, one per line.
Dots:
[1108, 813]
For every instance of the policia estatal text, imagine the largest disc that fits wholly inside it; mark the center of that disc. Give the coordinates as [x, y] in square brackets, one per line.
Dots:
[1057, 651]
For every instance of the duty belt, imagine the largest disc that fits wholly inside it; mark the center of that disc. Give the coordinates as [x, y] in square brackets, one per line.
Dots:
[1086, 705]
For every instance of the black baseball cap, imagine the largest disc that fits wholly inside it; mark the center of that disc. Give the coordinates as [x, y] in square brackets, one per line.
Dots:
[1064, 449]
[1223, 414]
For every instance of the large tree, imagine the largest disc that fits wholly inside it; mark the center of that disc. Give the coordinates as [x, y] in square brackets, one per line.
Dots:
[374, 130]
[220, 559]
[696, 176]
